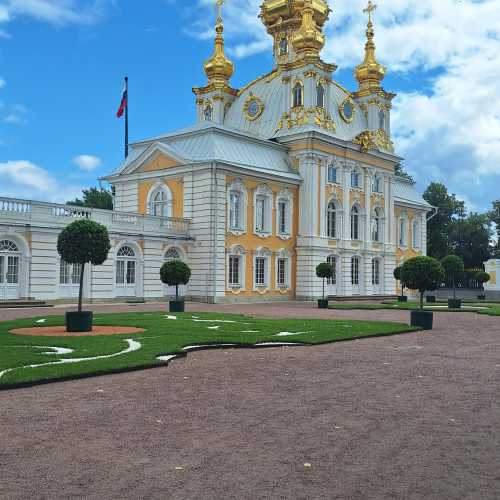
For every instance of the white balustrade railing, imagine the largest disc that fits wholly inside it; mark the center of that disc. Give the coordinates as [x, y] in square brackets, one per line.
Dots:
[50, 213]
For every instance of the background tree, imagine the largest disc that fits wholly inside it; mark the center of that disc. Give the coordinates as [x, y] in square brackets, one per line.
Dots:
[83, 242]
[494, 216]
[440, 227]
[175, 273]
[401, 172]
[482, 277]
[397, 276]
[470, 239]
[422, 274]
[324, 271]
[454, 268]
[94, 198]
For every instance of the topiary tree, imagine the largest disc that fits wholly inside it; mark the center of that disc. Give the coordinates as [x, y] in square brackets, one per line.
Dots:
[482, 277]
[397, 276]
[422, 274]
[453, 266]
[324, 271]
[175, 273]
[83, 242]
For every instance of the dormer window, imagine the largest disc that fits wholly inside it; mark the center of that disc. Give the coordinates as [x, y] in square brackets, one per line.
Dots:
[207, 113]
[283, 47]
[320, 95]
[298, 95]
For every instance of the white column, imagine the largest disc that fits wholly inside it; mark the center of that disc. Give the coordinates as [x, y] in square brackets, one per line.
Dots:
[322, 198]
[308, 212]
[369, 172]
[387, 210]
[392, 215]
[346, 232]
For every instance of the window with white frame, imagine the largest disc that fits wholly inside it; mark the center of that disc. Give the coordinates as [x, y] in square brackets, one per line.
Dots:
[282, 272]
[332, 222]
[236, 207]
[69, 274]
[355, 265]
[332, 174]
[235, 204]
[284, 207]
[403, 232]
[376, 272]
[126, 266]
[332, 260]
[262, 211]
[355, 179]
[377, 184]
[236, 267]
[234, 270]
[416, 234]
[261, 268]
[355, 223]
[283, 217]
[377, 225]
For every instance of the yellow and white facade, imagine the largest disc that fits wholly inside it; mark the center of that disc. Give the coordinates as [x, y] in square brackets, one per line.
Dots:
[274, 178]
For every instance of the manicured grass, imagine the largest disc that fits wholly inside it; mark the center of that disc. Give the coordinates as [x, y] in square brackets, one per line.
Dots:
[162, 336]
[493, 308]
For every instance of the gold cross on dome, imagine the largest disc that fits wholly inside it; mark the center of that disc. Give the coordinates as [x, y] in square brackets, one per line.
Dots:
[371, 7]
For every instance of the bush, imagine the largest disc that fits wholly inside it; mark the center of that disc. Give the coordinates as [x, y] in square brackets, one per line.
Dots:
[454, 267]
[422, 274]
[324, 271]
[83, 242]
[175, 273]
[482, 277]
[397, 276]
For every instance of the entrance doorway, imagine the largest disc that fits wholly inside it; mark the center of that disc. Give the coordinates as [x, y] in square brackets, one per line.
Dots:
[9, 270]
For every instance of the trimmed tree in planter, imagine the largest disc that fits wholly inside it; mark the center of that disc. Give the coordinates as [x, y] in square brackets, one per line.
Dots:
[397, 276]
[83, 242]
[324, 271]
[175, 273]
[453, 267]
[422, 274]
[482, 278]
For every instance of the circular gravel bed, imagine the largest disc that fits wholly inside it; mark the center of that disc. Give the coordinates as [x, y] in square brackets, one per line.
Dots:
[60, 331]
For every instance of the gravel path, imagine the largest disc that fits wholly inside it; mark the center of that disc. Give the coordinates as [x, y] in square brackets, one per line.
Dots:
[414, 416]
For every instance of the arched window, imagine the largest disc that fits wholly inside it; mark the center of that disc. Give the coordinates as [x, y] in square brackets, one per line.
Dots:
[283, 47]
[331, 220]
[403, 232]
[332, 260]
[377, 225]
[160, 204]
[207, 113]
[416, 234]
[126, 266]
[298, 95]
[355, 223]
[172, 254]
[9, 263]
[320, 95]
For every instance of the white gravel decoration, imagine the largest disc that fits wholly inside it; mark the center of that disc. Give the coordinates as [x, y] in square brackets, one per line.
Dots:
[133, 346]
[170, 317]
[250, 331]
[167, 358]
[213, 327]
[41, 321]
[288, 334]
[214, 321]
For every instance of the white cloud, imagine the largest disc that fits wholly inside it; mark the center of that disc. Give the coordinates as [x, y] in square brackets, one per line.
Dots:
[2, 83]
[23, 179]
[17, 115]
[87, 162]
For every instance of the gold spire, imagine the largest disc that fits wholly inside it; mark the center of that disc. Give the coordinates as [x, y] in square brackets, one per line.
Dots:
[308, 40]
[219, 69]
[370, 73]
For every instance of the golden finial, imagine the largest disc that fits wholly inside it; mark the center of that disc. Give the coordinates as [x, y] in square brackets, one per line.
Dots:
[219, 68]
[308, 40]
[370, 73]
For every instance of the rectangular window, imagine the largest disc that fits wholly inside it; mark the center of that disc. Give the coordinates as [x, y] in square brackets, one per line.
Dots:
[120, 272]
[402, 233]
[64, 274]
[235, 211]
[377, 185]
[13, 270]
[2, 259]
[260, 271]
[282, 272]
[282, 217]
[130, 272]
[355, 271]
[260, 214]
[375, 272]
[416, 235]
[355, 179]
[333, 262]
[332, 174]
[234, 270]
[75, 275]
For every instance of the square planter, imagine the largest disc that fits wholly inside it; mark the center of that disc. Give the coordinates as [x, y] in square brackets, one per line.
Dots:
[77, 322]
[176, 306]
[481, 297]
[322, 303]
[402, 298]
[423, 319]
[430, 299]
[454, 304]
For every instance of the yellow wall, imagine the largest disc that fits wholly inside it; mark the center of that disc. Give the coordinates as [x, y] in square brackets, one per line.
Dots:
[160, 162]
[176, 187]
[493, 279]
[251, 242]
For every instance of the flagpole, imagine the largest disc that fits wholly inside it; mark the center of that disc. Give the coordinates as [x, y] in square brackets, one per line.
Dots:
[126, 119]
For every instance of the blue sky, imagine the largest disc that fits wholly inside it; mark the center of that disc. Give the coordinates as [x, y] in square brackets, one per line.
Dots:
[62, 64]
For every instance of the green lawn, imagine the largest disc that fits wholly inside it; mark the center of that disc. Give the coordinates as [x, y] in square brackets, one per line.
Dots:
[492, 309]
[162, 336]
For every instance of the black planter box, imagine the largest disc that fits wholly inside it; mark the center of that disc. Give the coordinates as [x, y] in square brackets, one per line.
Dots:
[322, 303]
[424, 319]
[481, 297]
[77, 322]
[454, 304]
[402, 298]
[176, 306]
[430, 299]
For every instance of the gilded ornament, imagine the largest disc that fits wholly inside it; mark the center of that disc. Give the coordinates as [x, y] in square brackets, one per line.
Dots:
[383, 141]
[310, 74]
[253, 107]
[366, 140]
[347, 110]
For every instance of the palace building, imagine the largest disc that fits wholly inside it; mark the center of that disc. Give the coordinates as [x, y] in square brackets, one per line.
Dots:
[273, 178]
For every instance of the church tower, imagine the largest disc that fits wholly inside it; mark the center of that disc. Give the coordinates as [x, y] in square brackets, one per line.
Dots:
[213, 100]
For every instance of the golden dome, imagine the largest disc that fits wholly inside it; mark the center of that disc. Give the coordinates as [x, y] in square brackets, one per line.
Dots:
[289, 12]
[219, 69]
[308, 39]
[370, 73]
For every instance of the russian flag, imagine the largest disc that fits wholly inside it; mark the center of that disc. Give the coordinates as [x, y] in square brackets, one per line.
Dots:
[124, 101]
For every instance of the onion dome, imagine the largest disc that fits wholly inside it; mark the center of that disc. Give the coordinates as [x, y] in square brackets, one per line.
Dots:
[370, 73]
[309, 39]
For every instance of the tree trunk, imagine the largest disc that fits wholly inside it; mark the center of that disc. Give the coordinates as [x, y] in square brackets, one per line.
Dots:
[177, 292]
[422, 300]
[80, 293]
[323, 288]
